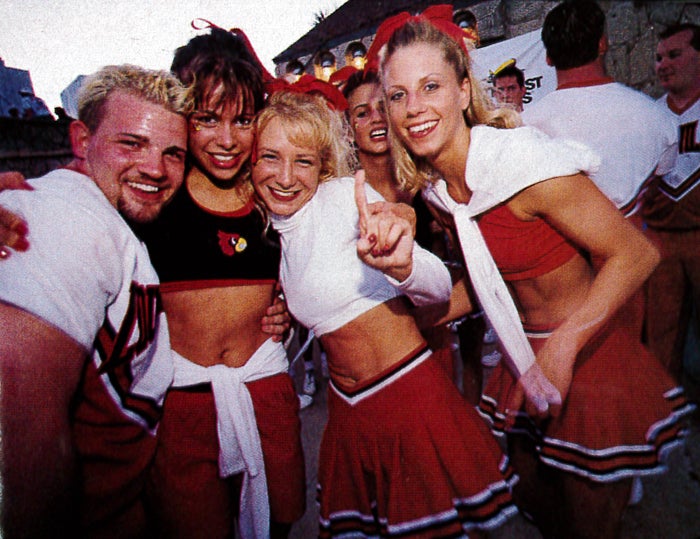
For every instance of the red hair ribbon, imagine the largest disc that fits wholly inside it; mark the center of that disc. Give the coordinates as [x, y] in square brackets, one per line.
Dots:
[342, 75]
[266, 75]
[440, 16]
[308, 84]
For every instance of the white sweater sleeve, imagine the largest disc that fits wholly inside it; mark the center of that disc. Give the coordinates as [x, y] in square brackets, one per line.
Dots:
[429, 281]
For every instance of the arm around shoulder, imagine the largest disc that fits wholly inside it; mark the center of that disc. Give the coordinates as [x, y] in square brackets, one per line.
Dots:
[40, 369]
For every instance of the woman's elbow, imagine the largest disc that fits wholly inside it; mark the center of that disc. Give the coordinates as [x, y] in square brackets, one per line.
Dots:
[649, 258]
[446, 286]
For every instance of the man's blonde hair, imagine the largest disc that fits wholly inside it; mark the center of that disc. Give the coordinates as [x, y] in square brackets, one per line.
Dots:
[156, 86]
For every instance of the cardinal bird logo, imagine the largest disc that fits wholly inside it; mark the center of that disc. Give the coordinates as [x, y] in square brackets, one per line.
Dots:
[231, 244]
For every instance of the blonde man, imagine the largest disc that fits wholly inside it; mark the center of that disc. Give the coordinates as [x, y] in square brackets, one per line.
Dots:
[84, 348]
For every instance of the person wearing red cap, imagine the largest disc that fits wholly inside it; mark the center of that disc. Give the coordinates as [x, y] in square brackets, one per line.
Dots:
[515, 196]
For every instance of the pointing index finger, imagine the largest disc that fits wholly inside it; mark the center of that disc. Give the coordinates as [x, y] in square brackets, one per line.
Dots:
[361, 200]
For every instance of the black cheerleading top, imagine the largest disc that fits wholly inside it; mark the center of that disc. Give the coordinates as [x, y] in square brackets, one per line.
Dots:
[195, 248]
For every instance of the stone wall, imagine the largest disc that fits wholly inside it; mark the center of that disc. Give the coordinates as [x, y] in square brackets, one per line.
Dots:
[633, 27]
[633, 46]
[33, 147]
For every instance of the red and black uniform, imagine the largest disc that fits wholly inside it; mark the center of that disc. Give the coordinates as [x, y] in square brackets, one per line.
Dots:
[623, 411]
[403, 456]
[92, 279]
[671, 212]
[194, 248]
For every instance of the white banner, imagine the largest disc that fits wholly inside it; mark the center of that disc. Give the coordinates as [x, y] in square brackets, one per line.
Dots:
[528, 51]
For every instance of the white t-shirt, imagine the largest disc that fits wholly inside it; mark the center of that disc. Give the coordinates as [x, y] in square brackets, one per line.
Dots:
[88, 275]
[634, 137]
[325, 284]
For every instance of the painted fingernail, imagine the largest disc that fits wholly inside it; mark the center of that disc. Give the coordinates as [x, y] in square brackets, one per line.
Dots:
[21, 228]
[372, 238]
[21, 244]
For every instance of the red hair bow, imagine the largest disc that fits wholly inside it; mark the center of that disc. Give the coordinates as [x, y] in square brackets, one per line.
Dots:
[440, 16]
[342, 75]
[308, 84]
[266, 75]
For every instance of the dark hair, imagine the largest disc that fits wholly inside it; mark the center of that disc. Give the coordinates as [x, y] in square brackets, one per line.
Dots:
[357, 79]
[511, 71]
[216, 60]
[678, 28]
[571, 33]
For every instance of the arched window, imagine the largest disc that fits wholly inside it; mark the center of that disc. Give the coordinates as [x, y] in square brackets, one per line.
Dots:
[355, 55]
[324, 65]
[294, 70]
[466, 20]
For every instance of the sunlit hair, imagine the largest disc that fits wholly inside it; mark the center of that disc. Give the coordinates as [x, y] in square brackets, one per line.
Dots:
[412, 172]
[158, 87]
[308, 121]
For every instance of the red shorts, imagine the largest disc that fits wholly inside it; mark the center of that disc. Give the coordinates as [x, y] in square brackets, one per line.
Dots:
[622, 414]
[190, 497]
[405, 455]
[114, 457]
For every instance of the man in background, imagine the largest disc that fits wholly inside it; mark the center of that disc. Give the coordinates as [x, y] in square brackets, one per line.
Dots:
[672, 208]
[634, 138]
[509, 86]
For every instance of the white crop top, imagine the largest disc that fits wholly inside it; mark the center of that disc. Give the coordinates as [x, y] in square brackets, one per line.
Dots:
[325, 284]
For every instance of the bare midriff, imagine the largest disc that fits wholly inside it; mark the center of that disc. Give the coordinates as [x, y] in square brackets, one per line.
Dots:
[548, 299]
[218, 325]
[371, 343]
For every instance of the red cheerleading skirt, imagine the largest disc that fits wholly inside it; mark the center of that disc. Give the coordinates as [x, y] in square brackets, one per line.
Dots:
[624, 412]
[406, 455]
